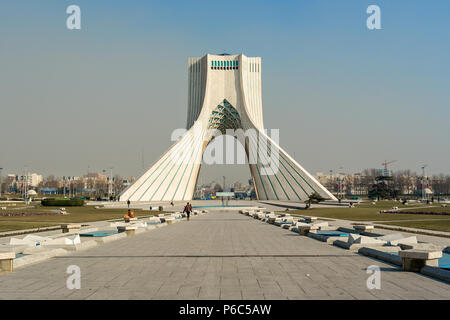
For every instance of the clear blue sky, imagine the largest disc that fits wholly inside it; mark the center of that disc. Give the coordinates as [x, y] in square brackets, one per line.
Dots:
[341, 95]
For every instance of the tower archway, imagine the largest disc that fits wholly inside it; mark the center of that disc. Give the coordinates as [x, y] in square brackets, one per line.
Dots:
[225, 93]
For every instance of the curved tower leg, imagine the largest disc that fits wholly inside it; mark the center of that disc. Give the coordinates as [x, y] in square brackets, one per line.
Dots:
[174, 175]
[276, 175]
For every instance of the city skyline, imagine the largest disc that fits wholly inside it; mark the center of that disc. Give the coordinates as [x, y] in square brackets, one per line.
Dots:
[355, 97]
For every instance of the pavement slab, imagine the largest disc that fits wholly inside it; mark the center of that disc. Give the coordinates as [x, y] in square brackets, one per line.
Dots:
[220, 255]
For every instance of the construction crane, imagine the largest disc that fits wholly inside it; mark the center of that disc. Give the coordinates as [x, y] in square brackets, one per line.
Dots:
[385, 164]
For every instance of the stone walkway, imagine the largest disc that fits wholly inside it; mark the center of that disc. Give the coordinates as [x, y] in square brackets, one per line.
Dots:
[221, 255]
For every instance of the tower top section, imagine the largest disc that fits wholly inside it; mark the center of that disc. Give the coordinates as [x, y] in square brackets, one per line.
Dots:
[223, 55]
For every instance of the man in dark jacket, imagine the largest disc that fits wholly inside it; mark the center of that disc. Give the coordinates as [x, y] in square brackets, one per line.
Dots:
[188, 209]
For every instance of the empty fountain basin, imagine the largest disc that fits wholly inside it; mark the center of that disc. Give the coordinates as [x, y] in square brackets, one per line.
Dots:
[332, 233]
[104, 233]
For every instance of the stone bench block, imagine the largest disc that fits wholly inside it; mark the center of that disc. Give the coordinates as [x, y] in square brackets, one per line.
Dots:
[129, 230]
[304, 230]
[363, 227]
[271, 220]
[414, 260]
[170, 221]
[419, 246]
[70, 227]
[6, 261]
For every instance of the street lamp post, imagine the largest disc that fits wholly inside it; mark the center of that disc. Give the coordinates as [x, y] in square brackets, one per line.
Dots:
[1, 181]
[109, 180]
[25, 183]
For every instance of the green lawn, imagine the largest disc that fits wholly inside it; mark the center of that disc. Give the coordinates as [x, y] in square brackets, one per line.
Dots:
[436, 225]
[76, 215]
[368, 212]
[433, 208]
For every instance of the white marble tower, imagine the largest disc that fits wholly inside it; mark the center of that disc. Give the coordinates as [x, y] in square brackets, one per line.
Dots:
[224, 93]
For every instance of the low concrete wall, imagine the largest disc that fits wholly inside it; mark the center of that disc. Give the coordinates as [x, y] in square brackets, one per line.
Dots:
[38, 257]
[436, 272]
[382, 255]
[111, 237]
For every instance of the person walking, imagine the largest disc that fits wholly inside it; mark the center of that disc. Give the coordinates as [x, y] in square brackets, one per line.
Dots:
[187, 210]
[128, 203]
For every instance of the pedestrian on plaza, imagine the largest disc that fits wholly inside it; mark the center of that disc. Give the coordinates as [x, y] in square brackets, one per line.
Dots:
[187, 210]
[128, 203]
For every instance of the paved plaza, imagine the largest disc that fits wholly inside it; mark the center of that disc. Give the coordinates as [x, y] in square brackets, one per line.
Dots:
[220, 255]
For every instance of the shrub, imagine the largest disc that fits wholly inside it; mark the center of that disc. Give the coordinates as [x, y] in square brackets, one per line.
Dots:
[62, 202]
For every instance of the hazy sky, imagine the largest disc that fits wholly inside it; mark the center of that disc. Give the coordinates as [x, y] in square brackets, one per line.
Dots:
[341, 95]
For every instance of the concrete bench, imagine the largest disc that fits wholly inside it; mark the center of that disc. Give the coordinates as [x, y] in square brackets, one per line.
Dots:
[129, 230]
[170, 221]
[363, 228]
[70, 227]
[271, 220]
[304, 230]
[310, 219]
[414, 260]
[6, 261]
[419, 246]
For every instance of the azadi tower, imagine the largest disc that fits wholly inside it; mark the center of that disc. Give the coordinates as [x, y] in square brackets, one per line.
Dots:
[225, 94]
